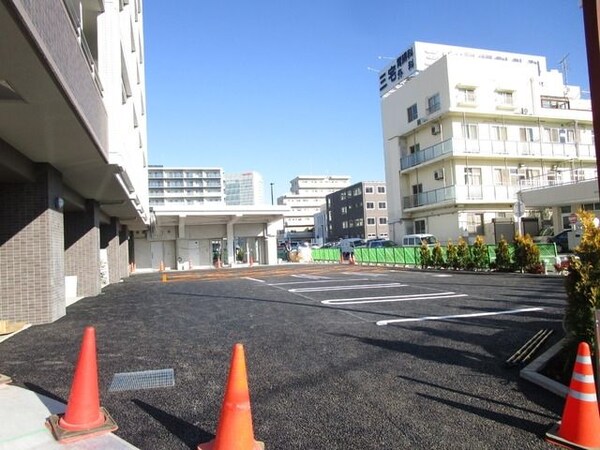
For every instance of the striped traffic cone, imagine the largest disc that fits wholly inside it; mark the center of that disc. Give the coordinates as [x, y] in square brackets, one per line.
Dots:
[234, 431]
[580, 424]
[83, 417]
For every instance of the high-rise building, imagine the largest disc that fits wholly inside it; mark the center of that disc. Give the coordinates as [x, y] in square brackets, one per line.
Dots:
[305, 199]
[464, 129]
[185, 186]
[244, 188]
[358, 211]
[73, 152]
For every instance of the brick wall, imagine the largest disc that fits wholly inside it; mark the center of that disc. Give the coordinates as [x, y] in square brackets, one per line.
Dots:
[32, 284]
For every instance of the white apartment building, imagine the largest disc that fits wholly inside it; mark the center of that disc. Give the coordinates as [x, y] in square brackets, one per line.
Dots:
[73, 154]
[244, 188]
[174, 187]
[464, 129]
[305, 199]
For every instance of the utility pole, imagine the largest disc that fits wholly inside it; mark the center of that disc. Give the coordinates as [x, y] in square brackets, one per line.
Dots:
[272, 194]
[591, 24]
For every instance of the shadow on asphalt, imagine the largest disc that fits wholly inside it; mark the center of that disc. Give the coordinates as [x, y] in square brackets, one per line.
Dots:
[40, 390]
[189, 434]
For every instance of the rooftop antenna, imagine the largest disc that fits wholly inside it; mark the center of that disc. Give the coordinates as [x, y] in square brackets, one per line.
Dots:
[564, 68]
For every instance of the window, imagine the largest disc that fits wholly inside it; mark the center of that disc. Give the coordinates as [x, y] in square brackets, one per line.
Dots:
[369, 189]
[345, 224]
[414, 148]
[473, 176]
[504, 98]
[555, 102]
[383, 221]
[344, 210]
[412, 113]
[433, 104]
[382, 205]
[561, 135]
[501, 177]
[370, 220]
[469, 131]
[466, 95]
[526, 135]
[475, 224]
[381, 189]
[370, 205]
[420, 226]
[359, 222]
[499, 133]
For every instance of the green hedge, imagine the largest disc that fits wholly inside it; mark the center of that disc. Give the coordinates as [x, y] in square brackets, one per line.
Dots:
[411, 256]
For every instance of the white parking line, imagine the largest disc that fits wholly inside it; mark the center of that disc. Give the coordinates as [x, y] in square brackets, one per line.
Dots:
[254, 279]
[346, 288]
[391, 298]
[316, 281]
[311, 277]
[458, 316]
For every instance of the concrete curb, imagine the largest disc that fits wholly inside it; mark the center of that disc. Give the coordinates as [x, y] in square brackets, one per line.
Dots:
[531, 372]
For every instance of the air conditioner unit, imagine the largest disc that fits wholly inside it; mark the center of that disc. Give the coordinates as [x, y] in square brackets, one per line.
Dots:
[436, 129]
[421, 121]
[438, 174]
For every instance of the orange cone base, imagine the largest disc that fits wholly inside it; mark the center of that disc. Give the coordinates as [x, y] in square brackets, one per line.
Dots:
[62, 435]
[553, 438]
[211, 445]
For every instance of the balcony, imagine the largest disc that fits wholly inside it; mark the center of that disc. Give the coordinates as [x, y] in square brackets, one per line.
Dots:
[462, 194]
[494, 148]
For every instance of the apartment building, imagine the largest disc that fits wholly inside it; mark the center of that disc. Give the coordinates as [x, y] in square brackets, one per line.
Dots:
[185, 186]
[73, 180]
[244, 188]
[465, 129]
[360, 210]
[305, 199]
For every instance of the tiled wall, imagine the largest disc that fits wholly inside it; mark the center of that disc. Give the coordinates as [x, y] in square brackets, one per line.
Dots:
[32, 286]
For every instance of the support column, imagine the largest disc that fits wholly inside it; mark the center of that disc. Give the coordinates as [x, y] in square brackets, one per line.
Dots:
[109, 241]
[82, 248]
[230, 244]
[124, 237]
[32, 276]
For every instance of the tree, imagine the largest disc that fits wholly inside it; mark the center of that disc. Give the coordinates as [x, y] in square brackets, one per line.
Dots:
[437, 257]
[527, 255]
[425, 251]
[583, 285]
[503, 262]
[463, 254]
[452, 255]
[479, 253]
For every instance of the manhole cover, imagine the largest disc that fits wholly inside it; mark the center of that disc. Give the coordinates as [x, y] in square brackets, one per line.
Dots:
[147, 379]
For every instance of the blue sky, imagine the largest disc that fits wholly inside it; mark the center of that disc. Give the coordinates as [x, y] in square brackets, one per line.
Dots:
[283, 87]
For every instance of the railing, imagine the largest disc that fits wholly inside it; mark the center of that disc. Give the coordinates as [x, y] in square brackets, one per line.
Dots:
[559, 178]
[87, 53]
[462, 193]
[427, 154]
[411, 255]
[459, 146]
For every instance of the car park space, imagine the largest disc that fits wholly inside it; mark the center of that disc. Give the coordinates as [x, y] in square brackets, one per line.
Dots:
[321, 375]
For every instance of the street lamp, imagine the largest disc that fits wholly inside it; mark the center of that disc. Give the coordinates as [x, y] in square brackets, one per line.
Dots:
[272, 194]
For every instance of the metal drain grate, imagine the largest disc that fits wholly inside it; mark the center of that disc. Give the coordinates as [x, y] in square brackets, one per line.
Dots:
[147, 379]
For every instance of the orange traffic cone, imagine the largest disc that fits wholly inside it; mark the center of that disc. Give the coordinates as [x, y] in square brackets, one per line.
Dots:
[580, 424]
[234, 431]
[84, 417]
[162, 266]
[163, 278]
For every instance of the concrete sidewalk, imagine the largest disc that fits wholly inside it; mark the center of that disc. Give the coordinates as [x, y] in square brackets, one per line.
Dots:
[23, 416]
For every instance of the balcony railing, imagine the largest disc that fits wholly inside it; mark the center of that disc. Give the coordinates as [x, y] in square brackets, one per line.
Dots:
[559, 178]
[462, 194]
[75, 18]
[459, 146]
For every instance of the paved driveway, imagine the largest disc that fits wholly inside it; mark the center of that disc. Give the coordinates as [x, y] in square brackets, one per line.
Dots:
[339, 357]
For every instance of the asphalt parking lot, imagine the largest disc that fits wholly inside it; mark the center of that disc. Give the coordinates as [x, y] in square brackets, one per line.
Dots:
[339, 357]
